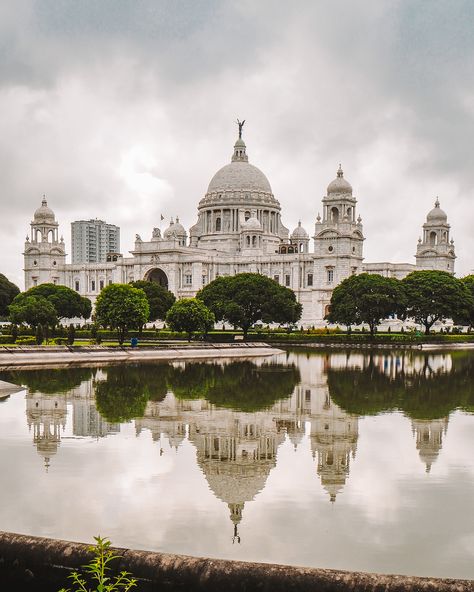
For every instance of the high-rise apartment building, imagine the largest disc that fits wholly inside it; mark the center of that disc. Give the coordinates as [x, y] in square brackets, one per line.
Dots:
[92, 240]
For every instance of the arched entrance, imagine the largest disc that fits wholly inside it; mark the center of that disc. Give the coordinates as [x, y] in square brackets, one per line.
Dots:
[158, 276]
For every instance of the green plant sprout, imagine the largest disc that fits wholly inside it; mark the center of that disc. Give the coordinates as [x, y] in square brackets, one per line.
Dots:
[97, 571]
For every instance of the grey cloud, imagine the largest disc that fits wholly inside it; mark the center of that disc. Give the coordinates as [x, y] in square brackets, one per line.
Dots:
[384, 88]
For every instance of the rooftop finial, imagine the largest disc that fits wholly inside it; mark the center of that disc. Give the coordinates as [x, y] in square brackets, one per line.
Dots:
[437, 202]
[43, 201]
[241, 125]
[339, 171]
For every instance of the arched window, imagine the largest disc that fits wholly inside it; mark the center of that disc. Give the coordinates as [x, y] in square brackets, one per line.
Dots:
[334, 215]
[433, 238]
[254, 241]
[218, 224]
[247, 215]
[248, 241]
[349, 213]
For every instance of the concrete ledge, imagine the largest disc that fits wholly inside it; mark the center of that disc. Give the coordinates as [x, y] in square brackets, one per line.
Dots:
[64, 355]
[34, 564]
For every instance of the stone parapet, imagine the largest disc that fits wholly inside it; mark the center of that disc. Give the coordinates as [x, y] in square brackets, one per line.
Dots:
[34, 564]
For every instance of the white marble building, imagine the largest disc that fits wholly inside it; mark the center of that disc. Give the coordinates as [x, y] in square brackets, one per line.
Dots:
[239, 229]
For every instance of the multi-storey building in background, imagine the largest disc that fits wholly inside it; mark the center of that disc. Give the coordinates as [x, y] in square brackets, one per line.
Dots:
[93, 240]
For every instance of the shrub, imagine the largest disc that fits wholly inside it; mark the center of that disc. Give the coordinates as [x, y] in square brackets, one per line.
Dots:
[26, 340]
[97, 571]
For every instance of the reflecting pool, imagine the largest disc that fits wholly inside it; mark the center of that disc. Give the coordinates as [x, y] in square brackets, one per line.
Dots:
[347, 460]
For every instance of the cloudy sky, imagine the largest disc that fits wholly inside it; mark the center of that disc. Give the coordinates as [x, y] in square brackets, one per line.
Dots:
[123, 110]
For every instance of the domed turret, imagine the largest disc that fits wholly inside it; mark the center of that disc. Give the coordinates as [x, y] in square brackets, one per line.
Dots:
[168, 233]
[300, 237]
[44, 214]
[437, 215]
[176, 231]
[436, 249]
[339, 185]
[299, 232]
[251, 224]
[178, 228]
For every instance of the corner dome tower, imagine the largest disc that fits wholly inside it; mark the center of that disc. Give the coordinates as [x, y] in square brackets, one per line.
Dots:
[436, 249]
[44, 213]
[238, 191]
[339, 186]
[437, 214]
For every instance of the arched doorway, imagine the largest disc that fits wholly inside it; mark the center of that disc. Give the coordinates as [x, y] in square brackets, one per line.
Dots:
[158, 276]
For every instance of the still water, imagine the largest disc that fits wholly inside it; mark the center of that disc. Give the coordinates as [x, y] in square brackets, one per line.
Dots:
[337, 460]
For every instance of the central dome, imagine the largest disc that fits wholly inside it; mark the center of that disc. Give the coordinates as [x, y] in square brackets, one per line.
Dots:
[239, 176]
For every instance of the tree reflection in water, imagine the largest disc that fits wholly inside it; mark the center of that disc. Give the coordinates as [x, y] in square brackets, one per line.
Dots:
[48, 381]
[123, 395]
[241, 386]
[420, 391]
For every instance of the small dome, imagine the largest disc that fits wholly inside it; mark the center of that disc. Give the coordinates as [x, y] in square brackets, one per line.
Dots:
[251, 224]
[44, 214]
[178, 228]
[437, 214]
[169, 232]
[299, 232]
[339, 185]
[174, 230]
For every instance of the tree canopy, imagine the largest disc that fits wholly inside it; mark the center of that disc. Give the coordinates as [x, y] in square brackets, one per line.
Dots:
[121, 307]
[366, 298]
[189, 315]
[8, 291]
[466, 316]
[246, 298]
[67, 303]
[160, 300]
[435, 296]
[32, 310]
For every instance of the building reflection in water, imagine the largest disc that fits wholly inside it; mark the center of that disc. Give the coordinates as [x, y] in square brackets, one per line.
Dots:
[313, 399]
[237, 450]
[429, 438]
[47, 414]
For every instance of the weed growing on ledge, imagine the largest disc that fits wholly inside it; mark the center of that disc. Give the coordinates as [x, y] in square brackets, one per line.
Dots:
[97, 570]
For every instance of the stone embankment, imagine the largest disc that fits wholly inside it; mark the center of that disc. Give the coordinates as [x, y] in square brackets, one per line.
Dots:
[65, 355]
[34, 564]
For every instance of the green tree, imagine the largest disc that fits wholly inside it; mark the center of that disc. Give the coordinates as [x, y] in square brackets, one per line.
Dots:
[160, 300]
[246, 298]
[8, 291]
[189, 315]
[467, 315]
[121, 307]
[366, 298]
[435, 296]
[67, 303]
[32, 310]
